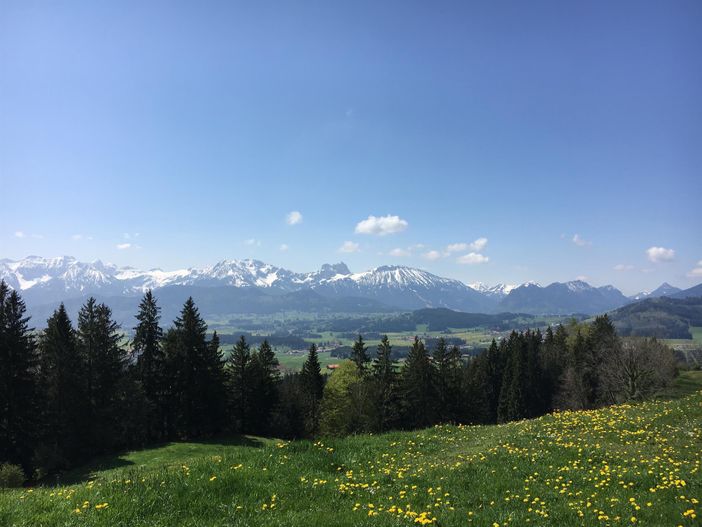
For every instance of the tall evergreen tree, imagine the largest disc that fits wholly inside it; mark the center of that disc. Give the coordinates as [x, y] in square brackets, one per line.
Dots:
[418, 387]
[105, 362]
[385, 376]
[196, 376]
[240, 385]
[266, 378]
[313, 387]
[602, 341]
[65, 407]
[441, 363]
[19, 388]
[359, 354]
[513, 394]
[151, 365]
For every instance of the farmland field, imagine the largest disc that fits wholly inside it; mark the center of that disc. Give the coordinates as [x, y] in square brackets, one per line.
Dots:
[624, 465]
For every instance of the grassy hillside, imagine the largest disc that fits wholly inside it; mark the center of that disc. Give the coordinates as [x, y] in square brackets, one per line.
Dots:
[625, 465]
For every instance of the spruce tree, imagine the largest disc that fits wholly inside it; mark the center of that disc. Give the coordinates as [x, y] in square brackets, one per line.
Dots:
[240, 384]
[312, 386]
[151, 365]
[441, 363]
[359, 354]
[196, 376]
[65, 408]
[265, 378]
[418, 387]
[513, 394]
[19, 389]
[385, 376]
[105, 374]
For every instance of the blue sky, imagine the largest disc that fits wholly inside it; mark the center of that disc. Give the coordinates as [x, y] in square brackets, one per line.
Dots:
[178, 134]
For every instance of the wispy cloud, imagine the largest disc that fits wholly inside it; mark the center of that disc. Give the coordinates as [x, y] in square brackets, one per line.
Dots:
[123, 246]
[473, 258]
[696, 272]
[474, 246]
[623, 267]
[252, 242]
[22, 234]
[294, 217]
[432, 255]
[660, 254]
[349, 247]
[400, 253]
[284, 247]
[580, 241]
[381, 225]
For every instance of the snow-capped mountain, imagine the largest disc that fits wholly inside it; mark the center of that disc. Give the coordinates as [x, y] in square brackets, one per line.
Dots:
[50, 280]
[497, 291]
[562, 298]
[405, 286]
[665, 289]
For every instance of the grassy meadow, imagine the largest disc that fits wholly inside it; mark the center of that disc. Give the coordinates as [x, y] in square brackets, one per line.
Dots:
[624, 465]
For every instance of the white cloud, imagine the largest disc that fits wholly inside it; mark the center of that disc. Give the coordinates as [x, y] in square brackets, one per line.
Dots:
[22, 234]
[473, 258]
[582, 278]
[475, 246]
[77, 237]
[293, 218]
[284, 247]
[400, 253]
[381, 225]
[697, 271]
[123, 246]
[580, 241]
[349, 247]
[660, 254]
[432, 255]
[252, 242]
[623, 267]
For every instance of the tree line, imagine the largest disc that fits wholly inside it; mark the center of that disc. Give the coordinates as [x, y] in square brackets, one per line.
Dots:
[71, 392]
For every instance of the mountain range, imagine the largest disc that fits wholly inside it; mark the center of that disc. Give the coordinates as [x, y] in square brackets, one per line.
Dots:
[234, 286]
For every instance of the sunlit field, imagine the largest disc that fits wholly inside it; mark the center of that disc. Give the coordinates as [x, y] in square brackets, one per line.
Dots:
[625, 465]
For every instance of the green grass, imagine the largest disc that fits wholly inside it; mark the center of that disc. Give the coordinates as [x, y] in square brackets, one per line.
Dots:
[295, 361]
[624, 465]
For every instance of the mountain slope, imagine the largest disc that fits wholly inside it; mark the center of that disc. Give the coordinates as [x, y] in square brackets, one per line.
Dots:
[50, 280]
[562, 299]
[661, 317]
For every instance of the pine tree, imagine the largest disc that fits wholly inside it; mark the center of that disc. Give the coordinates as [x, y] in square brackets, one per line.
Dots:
[441, 363]
[418, 387]
[359, 354]
[240, 384]
[65, 409]
[513, 394]
[602, 341]
[385, 376]
[266, 378]
[196, 379]
[151, 365]
[105, 361]
[313, 386]
[18, 381]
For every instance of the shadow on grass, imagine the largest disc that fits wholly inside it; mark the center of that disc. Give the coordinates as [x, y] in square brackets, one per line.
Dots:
[165, 457]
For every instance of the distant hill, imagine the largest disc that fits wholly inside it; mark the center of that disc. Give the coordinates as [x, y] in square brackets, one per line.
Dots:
[695, 291]
[562, 299]
[659, 317]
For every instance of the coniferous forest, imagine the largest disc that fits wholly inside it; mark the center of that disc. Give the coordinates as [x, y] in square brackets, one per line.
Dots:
[78, 389]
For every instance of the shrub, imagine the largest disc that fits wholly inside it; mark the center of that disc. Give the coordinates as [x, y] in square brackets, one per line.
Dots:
[11, 476]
